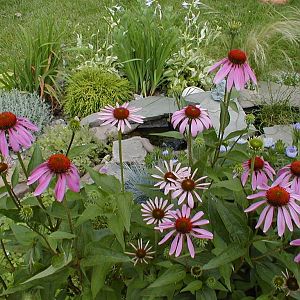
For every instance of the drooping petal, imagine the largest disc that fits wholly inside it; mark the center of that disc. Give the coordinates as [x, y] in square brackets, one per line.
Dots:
[60, 187]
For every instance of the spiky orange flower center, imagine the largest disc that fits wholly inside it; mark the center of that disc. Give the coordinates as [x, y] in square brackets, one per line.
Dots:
[140, 253]
[7, 120]
[59, 163]
[121, 113]
[158, 213]
[258, 163]
[183, 225]
[192, 112]
[3, 167]
[295, 167]
[277, 196]
[188, 185]
[237, 56]
[169, 175]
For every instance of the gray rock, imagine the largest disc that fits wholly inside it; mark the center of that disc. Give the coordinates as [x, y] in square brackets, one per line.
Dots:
[237, 119]
[102, 133]
[155, 107]
[21, 189]
[280, 132]
[91, 120]
[268, 92]
[133, 150]
[191, 90]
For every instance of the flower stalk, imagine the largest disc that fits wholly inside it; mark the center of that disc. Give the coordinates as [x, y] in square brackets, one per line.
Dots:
[121, 160]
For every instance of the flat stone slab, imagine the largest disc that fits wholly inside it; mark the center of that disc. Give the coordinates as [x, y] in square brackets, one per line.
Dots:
[237, 119]
[269, 92]
[155, 107]
[280, 132]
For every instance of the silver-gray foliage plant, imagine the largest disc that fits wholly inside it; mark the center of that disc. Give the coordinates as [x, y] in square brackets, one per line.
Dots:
[26, 105]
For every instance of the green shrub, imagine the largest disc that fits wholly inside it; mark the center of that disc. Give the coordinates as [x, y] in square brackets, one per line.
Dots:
[26, 105]
[90, 89]
[56, 139]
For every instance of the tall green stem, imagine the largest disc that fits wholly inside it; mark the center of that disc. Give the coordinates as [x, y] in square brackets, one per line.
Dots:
[10, 192]
[69, 215]
[30, 187]
[71, 142]
[6, 256]
[222, 125]
[121, 160]
[189, 144]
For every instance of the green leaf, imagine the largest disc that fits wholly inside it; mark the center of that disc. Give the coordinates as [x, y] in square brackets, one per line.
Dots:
[224, 115]
[78, 150]
[193, 286]
[116, 226]
[60, 235]
[174, 274]
[124, 202]
[234, 221]
[15, 176]
[233, 134]
[98, 277]
[109, 184]
[170, 134]
[36, 159]
[233, 106]
[231, 253]
[219, 286]
[104, 255]
[90, 213]
[206, 294]
[50, 270]
[225, 272]
[23, 234]
[232, 184]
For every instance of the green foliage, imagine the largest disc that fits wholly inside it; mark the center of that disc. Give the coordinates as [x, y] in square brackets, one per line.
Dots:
[90, 89]
[38, 68]
[187, 67]
[26, 105]
[144, 42]
[56, 139]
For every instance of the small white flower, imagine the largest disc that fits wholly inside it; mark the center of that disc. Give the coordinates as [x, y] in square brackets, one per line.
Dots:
[149, 2]
[185, 5]
[165, 152]
[268, 142]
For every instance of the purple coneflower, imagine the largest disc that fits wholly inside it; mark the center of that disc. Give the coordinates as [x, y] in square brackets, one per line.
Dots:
[66, 174]
[262, 171]
[277, 197]
[184, 227]
[292, 171]
[235, 68]
[296, 243]
[15, 133]
[141, 252]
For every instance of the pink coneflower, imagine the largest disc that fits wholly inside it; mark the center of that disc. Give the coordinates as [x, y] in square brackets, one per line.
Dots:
[191, 117]
[15, 133]
[291, 171]
[141, 252]
[296, 243]
[60, 166]
[278, 197]
[157, 211]
[120, 116]
[184, 227]
[168, 174]
[235, 68]
[262, 171]
[186, 188]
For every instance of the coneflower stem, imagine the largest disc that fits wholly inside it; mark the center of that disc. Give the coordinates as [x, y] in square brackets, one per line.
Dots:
[189, 144]
[68, 214]
[71, 142]
[121, 160]
[4, 284]
[11, 194]
[22, 164]
[6, 256]
[31, 189]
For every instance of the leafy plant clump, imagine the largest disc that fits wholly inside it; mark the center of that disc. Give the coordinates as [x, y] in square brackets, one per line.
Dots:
[26, 105]
[144, 42]
[56, 140]
[90, 89]
[38, 68]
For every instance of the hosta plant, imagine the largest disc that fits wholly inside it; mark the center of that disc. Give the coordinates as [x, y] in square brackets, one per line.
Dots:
[223, 224]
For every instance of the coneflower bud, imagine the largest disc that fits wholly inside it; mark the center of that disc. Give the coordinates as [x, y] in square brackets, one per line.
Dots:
[74, 124]
[26, 213]
[196, 271]
[249, 119]
[211, 282]
[278, 282]
[256, 144]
